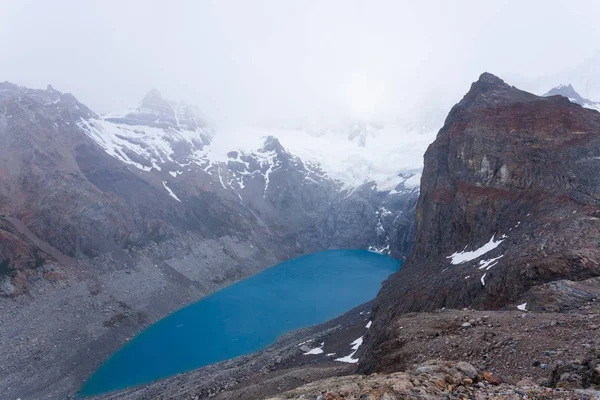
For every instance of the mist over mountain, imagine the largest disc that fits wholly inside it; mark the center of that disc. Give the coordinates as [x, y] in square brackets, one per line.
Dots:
[155, 156]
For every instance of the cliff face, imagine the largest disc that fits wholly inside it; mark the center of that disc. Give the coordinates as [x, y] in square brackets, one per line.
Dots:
[510, 199]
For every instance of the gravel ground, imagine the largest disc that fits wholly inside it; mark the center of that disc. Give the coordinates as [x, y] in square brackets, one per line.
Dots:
[432, 380]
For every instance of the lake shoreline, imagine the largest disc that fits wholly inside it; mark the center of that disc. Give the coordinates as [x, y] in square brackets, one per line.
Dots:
[247, 317]
[281, 358]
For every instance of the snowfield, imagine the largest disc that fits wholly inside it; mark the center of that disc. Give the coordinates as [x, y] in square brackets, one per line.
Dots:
[351, 152]
[391, 156]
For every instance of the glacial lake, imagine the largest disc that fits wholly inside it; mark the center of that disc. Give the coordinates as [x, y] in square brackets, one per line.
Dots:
[246, 316]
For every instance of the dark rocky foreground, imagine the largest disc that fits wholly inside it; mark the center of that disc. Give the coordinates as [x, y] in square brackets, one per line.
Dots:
[432, 380]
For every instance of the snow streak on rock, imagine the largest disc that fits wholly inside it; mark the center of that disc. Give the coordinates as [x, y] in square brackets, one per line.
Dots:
[349, 358]
[465, 256]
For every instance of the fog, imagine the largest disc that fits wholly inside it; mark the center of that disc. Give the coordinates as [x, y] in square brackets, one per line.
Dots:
[248, 61]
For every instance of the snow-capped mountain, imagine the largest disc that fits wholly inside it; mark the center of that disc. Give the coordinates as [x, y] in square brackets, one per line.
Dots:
[156, 135]
[284, 176]
[159, 134]
[585, 77]
[391, 157]
[569, 92]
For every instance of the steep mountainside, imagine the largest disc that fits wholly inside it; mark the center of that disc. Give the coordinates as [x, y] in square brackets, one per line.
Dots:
[108, 223]
[509, 200]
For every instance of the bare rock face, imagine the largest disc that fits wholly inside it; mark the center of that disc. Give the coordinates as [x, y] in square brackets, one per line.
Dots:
[509, 201]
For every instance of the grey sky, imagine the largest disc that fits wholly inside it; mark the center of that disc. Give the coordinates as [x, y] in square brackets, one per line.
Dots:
[249, 60]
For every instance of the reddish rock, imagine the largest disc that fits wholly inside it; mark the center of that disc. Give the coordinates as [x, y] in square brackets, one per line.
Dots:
[507, 165]
[490, 378]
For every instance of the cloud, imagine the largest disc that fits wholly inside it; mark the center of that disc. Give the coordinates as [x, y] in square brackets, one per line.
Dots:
[245, 61]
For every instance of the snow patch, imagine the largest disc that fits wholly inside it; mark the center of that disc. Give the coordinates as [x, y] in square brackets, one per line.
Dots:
[152, 146]
[170, 191]
[369, 324]
[465, 256]
[355, 345]
[380, 250]
[316, 350]
[522, 307]
[487, 264]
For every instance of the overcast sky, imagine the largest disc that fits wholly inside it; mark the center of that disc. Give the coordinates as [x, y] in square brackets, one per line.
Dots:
[249, 60]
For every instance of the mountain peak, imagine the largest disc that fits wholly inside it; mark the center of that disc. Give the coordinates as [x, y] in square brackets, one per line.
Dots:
[154, 100]
[272, 144]
[489, 90]
[570, 93]
[490, 79]
[567, 91]
[490, 83]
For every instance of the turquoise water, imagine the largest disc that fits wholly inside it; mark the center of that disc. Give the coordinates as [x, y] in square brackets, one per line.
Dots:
[246, 316]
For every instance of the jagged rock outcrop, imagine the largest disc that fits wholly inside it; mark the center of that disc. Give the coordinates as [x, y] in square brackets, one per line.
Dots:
[509, 201]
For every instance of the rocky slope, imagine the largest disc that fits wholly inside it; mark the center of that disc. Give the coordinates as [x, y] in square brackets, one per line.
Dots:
[509, 201]
[92, 250]
[108, 223]
[429, 381]
[513, 354]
